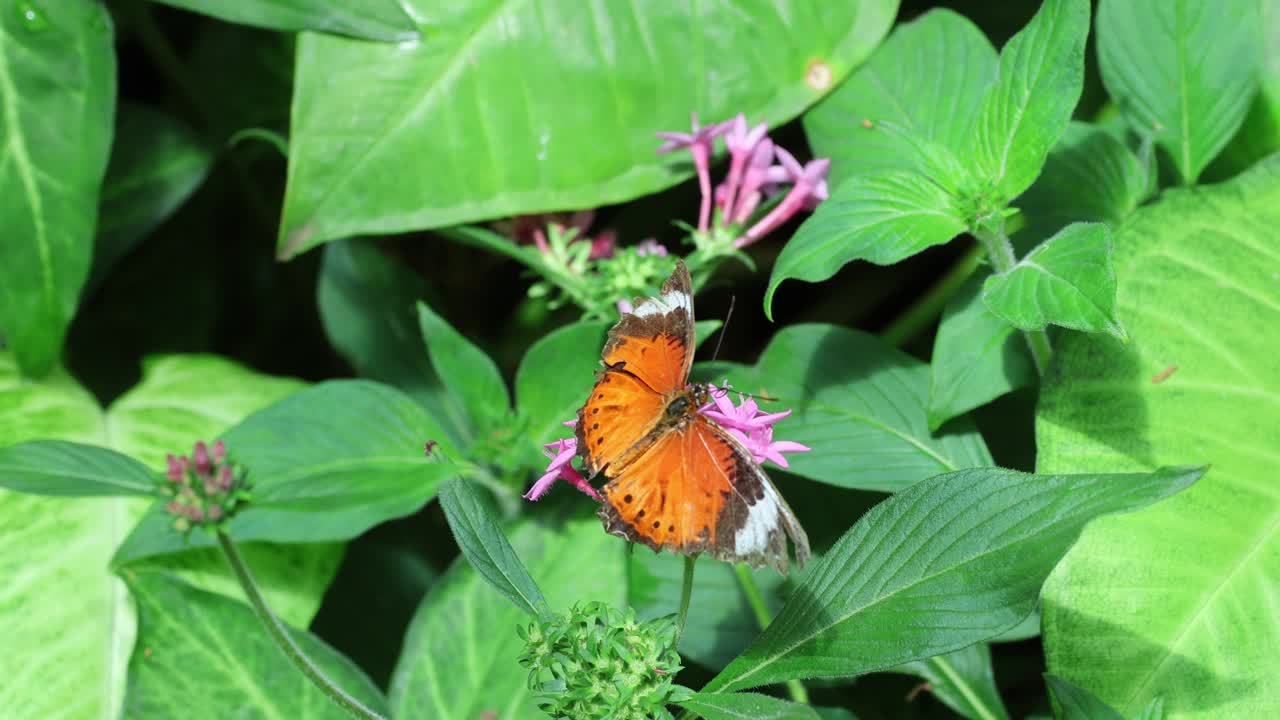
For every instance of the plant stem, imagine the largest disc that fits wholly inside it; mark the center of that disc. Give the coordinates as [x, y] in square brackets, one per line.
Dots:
[755, 599]
[686, 591]
[923, 312]
[280, 634]
[1000, 254]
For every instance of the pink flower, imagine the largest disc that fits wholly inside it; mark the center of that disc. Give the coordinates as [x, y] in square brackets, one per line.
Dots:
[810, 188]
[602, 245]
[561, 469]
[741, 144]
[755, 177]
[649, 246]
[700, 143]
[624, 307]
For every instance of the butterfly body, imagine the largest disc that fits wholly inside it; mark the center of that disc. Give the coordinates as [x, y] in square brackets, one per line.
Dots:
[676, 479]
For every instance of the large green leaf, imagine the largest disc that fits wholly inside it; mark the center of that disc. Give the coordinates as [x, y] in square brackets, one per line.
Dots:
[1037, 86]
[1068, 280]
[1199, 381]
[882, 217]
[977, 357]
[327, 464]
[157, 162]
[459, 657]
[510, 108]
[371, 19]
[861, 405]
[1076, 703]
[927, 78]
[57, 99]
[964, 681]
[948, 562]
[203, 655]
[1183, 71]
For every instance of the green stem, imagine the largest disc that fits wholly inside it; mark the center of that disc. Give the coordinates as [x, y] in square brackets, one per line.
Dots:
[283, 640]
[1000, 254]
[755, 599]
[925, 310]
[686, 592]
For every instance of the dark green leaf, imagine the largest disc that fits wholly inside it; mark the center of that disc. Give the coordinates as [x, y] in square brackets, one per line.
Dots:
[948, 562]
[201, 655]
[883, 217]
[1183, 71]
[57, 100]
[554, 379]
[1076, 703]
[57, 467]
[327, 464]
[1038, 84]
[927, 78]
[485, 546]
[469, 376]
[1201, 379]
[366, 303]
[977, 357]
[861, 406]
[156, 164]
[459, 657]
[963, 680]
[372, 19]
[1068, 280]
[449, 133]
[747, 706]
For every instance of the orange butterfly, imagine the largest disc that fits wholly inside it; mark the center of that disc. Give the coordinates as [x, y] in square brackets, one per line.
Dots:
[676, 478]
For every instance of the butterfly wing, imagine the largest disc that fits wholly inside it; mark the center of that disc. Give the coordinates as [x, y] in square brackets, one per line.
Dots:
[621, 412]
[654, 341]
[697, 490]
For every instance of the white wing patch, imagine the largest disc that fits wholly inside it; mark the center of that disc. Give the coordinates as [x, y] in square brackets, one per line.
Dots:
[762, 519]
[673, 300]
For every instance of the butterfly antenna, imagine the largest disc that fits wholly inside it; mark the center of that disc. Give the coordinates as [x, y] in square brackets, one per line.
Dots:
[723, 328]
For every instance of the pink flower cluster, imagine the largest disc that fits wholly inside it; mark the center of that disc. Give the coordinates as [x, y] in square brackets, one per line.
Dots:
[745, 422]
[752, 176]
[205, 488]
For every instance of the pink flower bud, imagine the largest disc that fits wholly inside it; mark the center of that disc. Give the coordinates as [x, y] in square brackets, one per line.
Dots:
[201, 458]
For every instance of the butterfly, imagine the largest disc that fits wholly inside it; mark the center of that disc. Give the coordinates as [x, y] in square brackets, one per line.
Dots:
[676, 479]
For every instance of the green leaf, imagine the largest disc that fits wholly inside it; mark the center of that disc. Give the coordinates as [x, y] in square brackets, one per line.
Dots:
[747, 706]
[948, 562]
[1183, 71]
[327, 464]
[1076, 703]
[1153, 711]
[1089, 175]
[1259, 136]
[57, 83]
[445, 137]
[470, 376]
[1068, 280]
[555, 378]
[861, 406]
[883, 218]
[901, 84]
[203, 655]
[1198, 294]
[385, 20]
[459, 657]
[1038, 84]
[366, 303]
[977, 357]
[963, 680]
[486, 547]
[57, 467]
[156, 163]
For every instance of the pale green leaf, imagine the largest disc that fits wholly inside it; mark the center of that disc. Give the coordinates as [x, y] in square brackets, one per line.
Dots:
[963, 680]
[386, 20]
[507, 108]
[1068, 281]
[1183, 71]
[1200, 381]
[1038, 84]
[57, 99]
[948, 562]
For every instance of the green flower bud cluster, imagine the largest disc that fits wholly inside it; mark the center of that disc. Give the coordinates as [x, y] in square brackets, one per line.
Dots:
[600, 662]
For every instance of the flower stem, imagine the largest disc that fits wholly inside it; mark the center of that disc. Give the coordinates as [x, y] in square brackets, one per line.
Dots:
[686, 591]
[755, 599]
[925, 310]
[1000, 254]
[280, 635]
